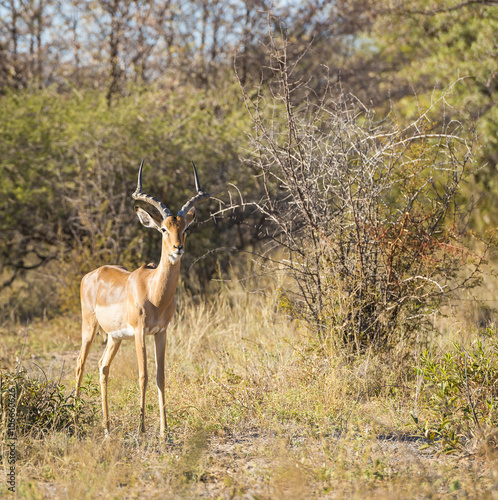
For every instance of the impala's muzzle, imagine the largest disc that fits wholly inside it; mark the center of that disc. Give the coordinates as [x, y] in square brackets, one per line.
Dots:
[176, 255]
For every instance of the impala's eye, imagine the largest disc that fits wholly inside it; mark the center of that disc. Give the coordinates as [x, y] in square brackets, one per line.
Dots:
[164, 230]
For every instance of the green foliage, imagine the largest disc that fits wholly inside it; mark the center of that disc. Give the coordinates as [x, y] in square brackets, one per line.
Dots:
[69, 164]
[41, 406]
[423, 47]
[459, 393]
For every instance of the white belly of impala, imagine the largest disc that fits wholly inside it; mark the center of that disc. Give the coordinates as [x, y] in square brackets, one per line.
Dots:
[129, 333]
[124, 333]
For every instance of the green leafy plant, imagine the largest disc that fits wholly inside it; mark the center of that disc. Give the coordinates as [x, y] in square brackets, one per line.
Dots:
[38, 406]
[459, 393]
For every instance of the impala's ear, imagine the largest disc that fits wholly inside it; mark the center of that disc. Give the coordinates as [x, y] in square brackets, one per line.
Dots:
[147, 219]
[190, 217]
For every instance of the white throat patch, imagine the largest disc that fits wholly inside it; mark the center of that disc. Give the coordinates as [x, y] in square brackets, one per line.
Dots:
[174, 258]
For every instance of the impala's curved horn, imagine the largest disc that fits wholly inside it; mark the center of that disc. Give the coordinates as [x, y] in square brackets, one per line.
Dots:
[201, 195]
[196, 178]
[139, 195]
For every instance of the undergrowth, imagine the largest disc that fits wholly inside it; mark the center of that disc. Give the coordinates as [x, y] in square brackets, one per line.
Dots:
[254, 407]
[459, 393]
[41, 406]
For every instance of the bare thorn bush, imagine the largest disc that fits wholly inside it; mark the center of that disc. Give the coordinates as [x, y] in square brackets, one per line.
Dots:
[366, 215]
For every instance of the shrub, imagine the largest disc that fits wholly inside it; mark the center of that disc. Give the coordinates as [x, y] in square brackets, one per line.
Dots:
[366, 215]
[459, 393]
[43, 406]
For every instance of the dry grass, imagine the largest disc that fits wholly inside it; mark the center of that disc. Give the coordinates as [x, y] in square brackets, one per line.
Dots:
[255, 410]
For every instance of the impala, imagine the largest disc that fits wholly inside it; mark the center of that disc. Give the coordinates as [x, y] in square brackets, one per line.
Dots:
[131, 305]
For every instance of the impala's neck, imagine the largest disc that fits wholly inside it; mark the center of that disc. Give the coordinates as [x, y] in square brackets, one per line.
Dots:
[166, 276]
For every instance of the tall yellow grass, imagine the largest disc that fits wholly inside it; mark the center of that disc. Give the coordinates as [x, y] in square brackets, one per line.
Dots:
[256, 408]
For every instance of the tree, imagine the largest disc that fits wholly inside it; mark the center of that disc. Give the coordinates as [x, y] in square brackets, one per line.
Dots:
[25, 40]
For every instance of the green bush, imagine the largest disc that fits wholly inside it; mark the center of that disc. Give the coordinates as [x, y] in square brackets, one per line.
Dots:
[38, 407]
[459, 393]
[69, 165]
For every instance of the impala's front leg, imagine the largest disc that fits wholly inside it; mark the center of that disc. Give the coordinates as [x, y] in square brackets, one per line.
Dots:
[142, 371]
[160, 345]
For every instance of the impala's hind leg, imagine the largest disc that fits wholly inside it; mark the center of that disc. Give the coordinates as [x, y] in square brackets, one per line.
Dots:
[88, 331]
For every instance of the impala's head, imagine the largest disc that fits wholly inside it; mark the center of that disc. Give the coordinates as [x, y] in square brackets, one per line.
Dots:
[172, 227]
